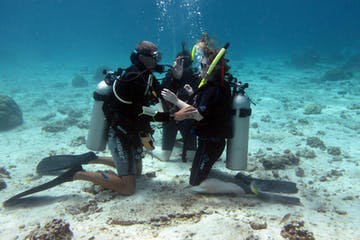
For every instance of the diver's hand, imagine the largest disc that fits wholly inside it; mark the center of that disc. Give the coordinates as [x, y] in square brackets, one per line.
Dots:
[169, 96]
[188, 112]
[184, 113]
[172, 98]
[178, 68]
[188, 89]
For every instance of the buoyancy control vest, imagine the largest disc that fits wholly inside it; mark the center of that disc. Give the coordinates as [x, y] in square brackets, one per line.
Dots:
[214, 103]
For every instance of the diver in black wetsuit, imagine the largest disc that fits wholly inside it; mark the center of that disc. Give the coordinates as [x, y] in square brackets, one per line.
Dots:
[128, 133]
[210, 106]
[213, 102]
[129, 130]
[178, 82]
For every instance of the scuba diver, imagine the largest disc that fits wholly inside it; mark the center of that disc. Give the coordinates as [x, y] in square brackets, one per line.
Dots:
[181, 78]
[211, 106]
[118, 120]
[129, 132]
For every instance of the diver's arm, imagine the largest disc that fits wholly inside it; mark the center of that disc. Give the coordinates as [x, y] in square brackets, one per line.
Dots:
[186, 111]
[171, 97]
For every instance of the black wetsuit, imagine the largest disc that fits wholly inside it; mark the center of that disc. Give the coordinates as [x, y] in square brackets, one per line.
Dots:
[171, 128]
[214, 104]
[134, 89]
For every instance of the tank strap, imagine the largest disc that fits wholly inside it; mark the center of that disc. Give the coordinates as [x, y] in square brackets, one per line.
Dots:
[99, 97]
[244, 112]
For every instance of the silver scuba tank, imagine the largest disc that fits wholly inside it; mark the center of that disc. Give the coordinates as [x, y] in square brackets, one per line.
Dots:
[96, 139]
[237, 147]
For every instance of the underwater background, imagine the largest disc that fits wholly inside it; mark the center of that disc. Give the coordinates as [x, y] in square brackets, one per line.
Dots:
[301, 59]
[103, 31]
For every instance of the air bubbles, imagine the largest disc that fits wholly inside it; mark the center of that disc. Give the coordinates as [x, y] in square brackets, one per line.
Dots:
[173, 13]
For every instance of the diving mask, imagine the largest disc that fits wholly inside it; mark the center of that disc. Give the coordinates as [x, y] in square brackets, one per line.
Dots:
[156, 55]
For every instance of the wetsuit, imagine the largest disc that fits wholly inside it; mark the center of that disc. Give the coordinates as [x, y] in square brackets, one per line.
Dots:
[171, 128]
[214, 104]
[134, 89]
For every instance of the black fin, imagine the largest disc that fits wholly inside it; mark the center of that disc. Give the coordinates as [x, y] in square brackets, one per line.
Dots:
[270, 197]
[276, 186]
[58, 163]
[65, 177]
[263, 189]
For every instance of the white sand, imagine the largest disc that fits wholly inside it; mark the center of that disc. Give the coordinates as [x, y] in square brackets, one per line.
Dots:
[164, 207]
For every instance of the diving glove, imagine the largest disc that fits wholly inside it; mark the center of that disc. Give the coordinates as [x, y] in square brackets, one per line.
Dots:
[147, 140]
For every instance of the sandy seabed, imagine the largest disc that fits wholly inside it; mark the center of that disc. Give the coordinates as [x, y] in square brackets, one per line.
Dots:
[164, 207]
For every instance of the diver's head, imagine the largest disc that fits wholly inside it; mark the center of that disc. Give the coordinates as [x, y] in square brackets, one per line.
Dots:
[202, 54]
[206, 55]
[185, 55]
[210, 61]
[147, 54]
[219, 69]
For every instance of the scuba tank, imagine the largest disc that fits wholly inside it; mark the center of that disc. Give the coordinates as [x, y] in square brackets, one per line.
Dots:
[96, 139]
[237, 147]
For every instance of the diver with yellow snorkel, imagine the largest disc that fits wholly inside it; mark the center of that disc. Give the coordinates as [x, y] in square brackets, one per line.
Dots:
[211, 107]
[221, 110]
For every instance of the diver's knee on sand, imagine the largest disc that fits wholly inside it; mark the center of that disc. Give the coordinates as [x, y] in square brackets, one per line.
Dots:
[124, 185]
[162, 155]
[165, 155]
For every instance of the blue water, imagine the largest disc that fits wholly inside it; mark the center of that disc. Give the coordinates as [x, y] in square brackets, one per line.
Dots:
[105, 31]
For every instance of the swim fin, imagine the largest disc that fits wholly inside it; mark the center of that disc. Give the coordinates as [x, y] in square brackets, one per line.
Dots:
[266, 189]
[276, 186]
[56, 164]
[65, 177]
[272, 197]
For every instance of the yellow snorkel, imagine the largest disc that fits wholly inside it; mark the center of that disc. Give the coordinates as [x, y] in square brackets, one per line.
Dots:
[213, 64]
[193, 51]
